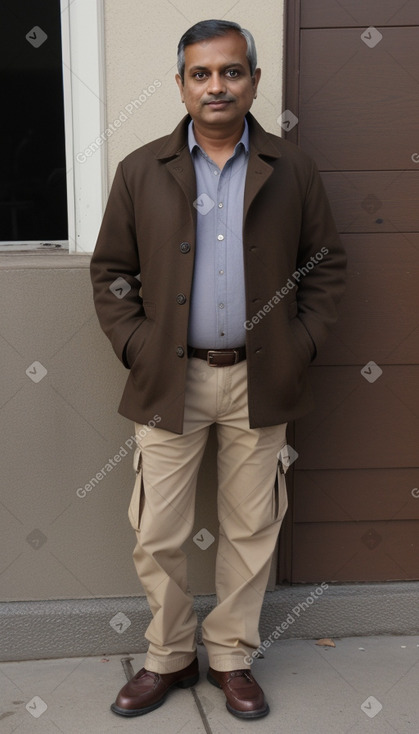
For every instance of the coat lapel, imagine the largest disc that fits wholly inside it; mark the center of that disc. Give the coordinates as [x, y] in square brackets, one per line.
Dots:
[182, 169]
[258, 170]
[174, 153]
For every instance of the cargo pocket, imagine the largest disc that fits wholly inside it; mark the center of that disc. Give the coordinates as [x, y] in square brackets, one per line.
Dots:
[136, 504]
[280, 488]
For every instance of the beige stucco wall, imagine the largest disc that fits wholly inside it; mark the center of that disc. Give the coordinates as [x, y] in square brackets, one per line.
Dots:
[59, 432]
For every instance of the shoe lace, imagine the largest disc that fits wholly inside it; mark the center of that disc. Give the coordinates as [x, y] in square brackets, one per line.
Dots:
[143, 673]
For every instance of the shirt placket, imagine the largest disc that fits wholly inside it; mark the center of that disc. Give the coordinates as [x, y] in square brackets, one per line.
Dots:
[221, 259]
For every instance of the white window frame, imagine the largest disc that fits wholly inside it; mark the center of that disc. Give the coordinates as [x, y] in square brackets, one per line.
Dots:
[84, 109]
[82, 33]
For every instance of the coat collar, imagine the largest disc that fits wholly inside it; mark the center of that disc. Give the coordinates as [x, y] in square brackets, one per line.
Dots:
[178, 140]
[175, 154]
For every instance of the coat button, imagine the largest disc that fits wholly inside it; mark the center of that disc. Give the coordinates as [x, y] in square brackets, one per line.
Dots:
[185, 247]
[180, 351]
[181, 299]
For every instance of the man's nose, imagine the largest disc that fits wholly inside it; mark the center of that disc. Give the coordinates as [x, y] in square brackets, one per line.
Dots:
[216, 84]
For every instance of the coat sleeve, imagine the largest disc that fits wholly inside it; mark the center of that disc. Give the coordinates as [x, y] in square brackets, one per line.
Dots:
[115, 269]
[321, 263]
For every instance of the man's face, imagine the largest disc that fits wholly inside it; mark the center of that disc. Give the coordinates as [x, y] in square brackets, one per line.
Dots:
[218, 90]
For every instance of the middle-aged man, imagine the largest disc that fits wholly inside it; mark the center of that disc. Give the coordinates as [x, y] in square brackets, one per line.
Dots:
[216, 275]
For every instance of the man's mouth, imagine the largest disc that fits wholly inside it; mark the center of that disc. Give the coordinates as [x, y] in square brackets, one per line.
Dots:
[219, 103]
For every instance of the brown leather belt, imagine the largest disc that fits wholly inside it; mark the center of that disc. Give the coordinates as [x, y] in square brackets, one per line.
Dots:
[219, 357]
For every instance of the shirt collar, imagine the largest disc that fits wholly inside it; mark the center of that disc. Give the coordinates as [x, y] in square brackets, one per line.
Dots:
[244, 140]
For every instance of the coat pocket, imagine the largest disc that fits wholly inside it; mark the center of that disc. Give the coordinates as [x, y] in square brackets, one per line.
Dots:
[136, 504]
[302, 340]
[137, 341]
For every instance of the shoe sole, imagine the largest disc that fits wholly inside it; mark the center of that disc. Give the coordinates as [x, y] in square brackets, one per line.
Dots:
[186, 683]
[258, 714]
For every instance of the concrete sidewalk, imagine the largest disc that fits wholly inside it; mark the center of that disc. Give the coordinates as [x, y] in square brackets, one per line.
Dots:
[363, 685]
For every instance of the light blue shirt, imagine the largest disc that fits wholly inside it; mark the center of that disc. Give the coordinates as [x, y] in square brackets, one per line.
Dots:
[218, 301]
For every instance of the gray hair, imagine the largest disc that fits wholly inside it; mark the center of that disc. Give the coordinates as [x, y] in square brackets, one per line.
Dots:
[206, 29]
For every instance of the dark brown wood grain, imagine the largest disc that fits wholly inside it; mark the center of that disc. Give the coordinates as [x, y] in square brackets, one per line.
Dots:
[352, 514]
[360, 551]
[366, 495]
[341, 13]
[358, 424]
[359, 106]
[376, 313]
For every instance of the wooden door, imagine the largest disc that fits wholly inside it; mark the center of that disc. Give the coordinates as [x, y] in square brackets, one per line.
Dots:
[352, 80]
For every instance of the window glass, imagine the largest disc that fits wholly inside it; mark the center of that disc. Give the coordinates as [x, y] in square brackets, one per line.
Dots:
[33, 200]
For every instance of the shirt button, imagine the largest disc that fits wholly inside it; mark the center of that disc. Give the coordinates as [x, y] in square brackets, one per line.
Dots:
[220, 237]
[215, 173]
[221, 305]
[220, 205]
[181, 299]
[180, 351]
[185, 247]
[221, 272]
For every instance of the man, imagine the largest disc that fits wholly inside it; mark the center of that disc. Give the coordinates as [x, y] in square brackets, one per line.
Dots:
[216, 275]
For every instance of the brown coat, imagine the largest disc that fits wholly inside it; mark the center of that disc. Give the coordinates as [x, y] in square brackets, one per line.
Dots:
[149, 228]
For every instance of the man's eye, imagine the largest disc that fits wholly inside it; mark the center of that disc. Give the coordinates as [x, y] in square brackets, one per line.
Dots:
[233, 73]
[199, 75]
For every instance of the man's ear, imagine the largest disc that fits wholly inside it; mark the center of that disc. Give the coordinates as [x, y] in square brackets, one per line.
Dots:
[255, 81]
[180, 85]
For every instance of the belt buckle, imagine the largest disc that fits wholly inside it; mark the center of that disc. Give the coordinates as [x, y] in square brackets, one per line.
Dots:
[212, 352]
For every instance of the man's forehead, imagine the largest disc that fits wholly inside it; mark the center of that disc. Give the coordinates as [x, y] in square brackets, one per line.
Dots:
[229, 48]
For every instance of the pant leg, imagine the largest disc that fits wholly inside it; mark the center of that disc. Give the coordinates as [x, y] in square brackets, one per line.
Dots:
[252, 501]
[162, 512]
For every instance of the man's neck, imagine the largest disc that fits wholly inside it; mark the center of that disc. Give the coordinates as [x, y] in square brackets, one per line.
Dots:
[217, 139]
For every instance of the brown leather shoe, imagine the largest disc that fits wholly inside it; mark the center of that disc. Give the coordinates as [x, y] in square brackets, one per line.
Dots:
[147, 691]
[245, 698]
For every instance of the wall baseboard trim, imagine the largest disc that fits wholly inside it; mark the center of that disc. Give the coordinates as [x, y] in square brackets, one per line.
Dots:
[91, 627]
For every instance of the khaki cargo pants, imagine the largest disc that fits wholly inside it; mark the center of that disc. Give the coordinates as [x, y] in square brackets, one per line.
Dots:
[251, 504]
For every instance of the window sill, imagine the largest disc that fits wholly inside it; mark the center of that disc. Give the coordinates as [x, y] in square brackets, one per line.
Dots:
[43, 260]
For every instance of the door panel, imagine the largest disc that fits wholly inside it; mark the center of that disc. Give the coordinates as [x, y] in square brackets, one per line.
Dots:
[377, 320]
[362, 551]
[374, 201]
[358, 424]
[341, 13]
[357, 495]
[367, 96]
